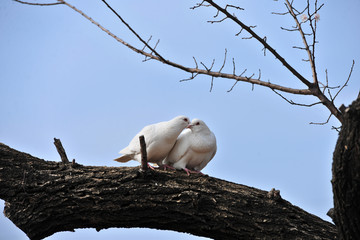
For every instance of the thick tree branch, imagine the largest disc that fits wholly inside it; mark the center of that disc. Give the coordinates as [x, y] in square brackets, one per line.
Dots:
[38, 193]
[346, 175]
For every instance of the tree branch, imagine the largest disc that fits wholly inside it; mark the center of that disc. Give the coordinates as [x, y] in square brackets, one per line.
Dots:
[313, 88]
[195, 70]
[39, 4]
[346, 82]
[61, 151]
[144, 162]
[262, 41]
[134, 32]
[38, 193]
[311, 55]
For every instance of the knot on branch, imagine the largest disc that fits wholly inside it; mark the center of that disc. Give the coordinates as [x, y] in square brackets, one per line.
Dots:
[274, 194]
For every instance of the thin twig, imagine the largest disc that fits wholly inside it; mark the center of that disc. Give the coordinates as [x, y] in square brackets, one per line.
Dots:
[232, 87]
[322, 123]
[212, 83]
[345, 84]
[294, 103]
[40, 4]
[224, 61]
[147, 43]
[133, 31]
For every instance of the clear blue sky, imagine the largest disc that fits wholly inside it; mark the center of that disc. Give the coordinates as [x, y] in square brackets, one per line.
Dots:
[63, 77]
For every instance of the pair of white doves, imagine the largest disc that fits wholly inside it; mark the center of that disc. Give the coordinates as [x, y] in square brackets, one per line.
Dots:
[169, 146]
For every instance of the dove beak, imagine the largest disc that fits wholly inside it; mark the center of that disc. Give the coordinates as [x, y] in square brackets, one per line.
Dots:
[189, 126]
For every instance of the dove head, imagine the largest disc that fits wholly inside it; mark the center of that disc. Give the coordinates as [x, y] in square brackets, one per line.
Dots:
[181, 121]
[197, 125]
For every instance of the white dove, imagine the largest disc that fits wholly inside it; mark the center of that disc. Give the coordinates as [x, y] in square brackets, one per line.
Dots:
[193, 149]
[159, 138]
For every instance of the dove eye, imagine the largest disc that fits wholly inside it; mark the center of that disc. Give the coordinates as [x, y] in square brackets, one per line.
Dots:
[198, 123]
[185, 119]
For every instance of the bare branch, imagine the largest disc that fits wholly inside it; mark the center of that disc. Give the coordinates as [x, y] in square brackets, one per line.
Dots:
[151, 53]
[224, 61]
[248, 38]
[259, 74]
[261, 40]
[233, 61]
[239, 32]
[200, 5]
[133, 31]
[294, 103]
[301, 48]
[264, 48]
[212, 83]
[40, 4]
[322, 123]
[327, 84]
[232, 6]
[313, 88]
[232, 87]
[289, 30]
[191, 78]
[345, 84]
[275, 13]
[208, 69]
[217, 21]
[147, 43]
[243, 72]
[310, 54]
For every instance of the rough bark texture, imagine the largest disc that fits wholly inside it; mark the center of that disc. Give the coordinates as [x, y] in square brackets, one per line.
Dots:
[346, 175]
[44, 197]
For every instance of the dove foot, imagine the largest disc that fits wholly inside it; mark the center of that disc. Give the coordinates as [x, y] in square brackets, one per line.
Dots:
[166, 167]
[188, 171]
[151, 167]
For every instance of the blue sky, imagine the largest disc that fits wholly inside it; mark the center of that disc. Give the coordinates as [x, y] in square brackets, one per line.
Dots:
[63, 77]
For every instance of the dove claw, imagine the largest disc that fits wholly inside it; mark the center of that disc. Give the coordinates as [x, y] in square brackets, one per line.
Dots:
[188, 171]
[151, 167]
[166, 167]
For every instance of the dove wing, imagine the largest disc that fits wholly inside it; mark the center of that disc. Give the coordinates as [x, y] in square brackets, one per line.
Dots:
[180, 148]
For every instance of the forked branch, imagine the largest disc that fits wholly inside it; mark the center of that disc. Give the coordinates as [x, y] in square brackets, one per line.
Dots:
[313, 87]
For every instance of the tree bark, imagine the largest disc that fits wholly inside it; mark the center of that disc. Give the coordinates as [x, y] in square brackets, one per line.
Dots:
[346, 175]
[44, 197]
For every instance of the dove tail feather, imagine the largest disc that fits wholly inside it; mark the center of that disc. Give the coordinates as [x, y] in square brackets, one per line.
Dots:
[124, 158]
